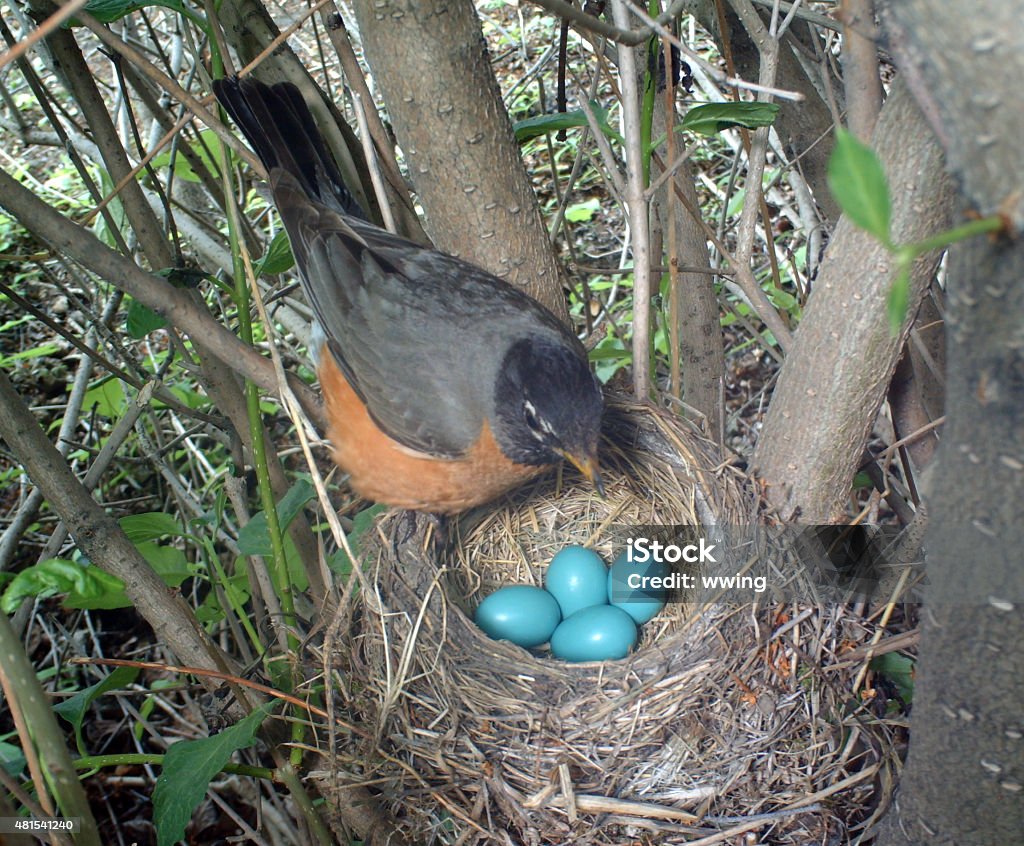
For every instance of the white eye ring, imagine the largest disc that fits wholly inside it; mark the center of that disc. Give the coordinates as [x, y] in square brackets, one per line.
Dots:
[538, 425]
[530, 413]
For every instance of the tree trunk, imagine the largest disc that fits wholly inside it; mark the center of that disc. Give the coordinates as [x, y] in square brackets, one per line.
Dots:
[964, 779]
[701, 356]
[833, 383]
[430, 61]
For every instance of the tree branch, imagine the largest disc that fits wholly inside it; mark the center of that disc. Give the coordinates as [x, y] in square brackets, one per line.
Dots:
[814, 435]
[172, 303]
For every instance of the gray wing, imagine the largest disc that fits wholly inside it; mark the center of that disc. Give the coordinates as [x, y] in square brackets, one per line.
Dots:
[382, 301]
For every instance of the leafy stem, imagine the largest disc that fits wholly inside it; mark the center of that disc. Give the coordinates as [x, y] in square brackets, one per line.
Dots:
[859, 184]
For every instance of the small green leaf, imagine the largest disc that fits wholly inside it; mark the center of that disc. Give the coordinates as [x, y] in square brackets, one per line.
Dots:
[362, 523]
[140, 320]
[899, 300]
[712, 118]
[278, 258]
[236, 590]
[150, 526]
[607, 353]
[189, 767]
[188, 397]
[108, 11]
[24, 355]
[542, 124]
[899, 669]
[582, 212]
[207, 150]
[12, 759]
[254, 537]
[106, 398]
[168, 562]
[858, 183]
[57, 575]
[862, 481]
[76, 707]
[14, 324]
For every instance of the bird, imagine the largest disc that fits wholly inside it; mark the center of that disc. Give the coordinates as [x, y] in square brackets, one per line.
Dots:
[443, 385]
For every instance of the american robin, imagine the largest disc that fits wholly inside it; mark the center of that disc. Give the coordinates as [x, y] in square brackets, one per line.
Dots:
[443, 385]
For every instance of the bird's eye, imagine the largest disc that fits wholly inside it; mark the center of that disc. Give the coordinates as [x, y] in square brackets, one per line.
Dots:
[531, 416]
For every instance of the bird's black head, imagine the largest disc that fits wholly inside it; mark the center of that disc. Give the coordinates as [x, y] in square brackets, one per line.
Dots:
[548, 405]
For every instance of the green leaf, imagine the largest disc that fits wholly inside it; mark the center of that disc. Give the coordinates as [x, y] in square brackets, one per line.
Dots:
[75, 708]
[582, 212]
[12, 759]
[58, 575]
[278, 258]
[862, 481]
[168, 562]
[712, 118]
[106, 398]
[899, 300]
[140, 320]
[858, 183]
[24, 355]
[150, 526]
[188, 397]
[542, 124]
[108, 11]
[207, 149]
[254, 537]
[899, 670]
[189, 767]
[14, 324]
[362, 523]
[236, 589]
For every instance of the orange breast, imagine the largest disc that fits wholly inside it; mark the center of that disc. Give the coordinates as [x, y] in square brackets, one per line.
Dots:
[384, 471]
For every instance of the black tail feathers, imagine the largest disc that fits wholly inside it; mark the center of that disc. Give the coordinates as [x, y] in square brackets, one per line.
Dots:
[279, 126]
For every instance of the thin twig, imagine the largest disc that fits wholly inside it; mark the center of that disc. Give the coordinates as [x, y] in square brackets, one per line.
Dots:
[44, 29]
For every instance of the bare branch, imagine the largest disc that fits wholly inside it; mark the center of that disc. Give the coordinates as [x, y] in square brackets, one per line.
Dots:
[173, 303]
[861, 81]
[620, 33]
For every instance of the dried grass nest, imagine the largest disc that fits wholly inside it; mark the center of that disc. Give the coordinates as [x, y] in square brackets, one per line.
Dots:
[727, 719]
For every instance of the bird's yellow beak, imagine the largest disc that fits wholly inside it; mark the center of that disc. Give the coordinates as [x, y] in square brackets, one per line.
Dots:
[588, 466]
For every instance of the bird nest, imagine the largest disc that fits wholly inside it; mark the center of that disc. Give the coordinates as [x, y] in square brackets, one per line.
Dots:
[730, 717]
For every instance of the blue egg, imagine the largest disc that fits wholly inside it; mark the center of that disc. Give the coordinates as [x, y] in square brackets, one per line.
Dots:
[598, 633]
[523, 614]
[642, 602]
[577, 578]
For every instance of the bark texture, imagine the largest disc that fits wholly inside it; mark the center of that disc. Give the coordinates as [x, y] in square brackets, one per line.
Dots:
[964, 68]
[834, 381]
[702, 359]
[432, 66]
[964, 779]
